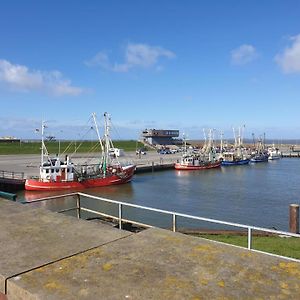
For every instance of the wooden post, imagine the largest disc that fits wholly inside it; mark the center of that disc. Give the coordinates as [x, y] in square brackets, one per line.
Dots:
[294, 218]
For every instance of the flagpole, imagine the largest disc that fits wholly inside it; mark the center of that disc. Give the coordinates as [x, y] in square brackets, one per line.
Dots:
[42, 152]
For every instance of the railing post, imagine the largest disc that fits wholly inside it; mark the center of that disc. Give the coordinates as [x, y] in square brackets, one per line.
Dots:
[249, 238]
[120, 216]
[174, 223]
[78, 205]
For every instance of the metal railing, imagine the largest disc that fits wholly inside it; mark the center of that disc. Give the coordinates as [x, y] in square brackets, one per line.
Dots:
[11, 175]
[174, 216]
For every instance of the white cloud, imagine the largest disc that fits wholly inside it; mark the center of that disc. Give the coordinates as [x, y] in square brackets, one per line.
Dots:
[289, 59]
[20, 78]
[243, 54]
[100, 59]
[135, 56]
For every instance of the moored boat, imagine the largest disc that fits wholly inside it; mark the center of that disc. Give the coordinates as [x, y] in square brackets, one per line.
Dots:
[56, 174]
[273, 153]
[234, 161]
[192, 162]
[205, 159]
[260, 154]
[237, 155]
[259, 157]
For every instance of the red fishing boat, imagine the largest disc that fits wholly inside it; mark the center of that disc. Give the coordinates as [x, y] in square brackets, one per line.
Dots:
[199, 160]
[56, 174]
[194, 163]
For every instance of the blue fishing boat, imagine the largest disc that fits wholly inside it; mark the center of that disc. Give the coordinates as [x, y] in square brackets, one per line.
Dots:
[259, 157]
[237, 155]
[235, 162]
[260, 154]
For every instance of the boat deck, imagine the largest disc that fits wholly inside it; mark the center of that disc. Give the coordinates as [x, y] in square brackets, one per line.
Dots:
[46, 255]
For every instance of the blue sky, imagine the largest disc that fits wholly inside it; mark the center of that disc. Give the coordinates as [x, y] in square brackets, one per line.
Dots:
[150, 64]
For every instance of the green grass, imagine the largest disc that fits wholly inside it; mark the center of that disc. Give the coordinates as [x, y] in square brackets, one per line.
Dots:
[53, 147]
[289, 247]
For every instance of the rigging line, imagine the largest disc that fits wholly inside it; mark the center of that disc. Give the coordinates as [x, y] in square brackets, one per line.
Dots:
[95, 127]
[92, 149]
[99, 138]
[71, 143]
[81, 141]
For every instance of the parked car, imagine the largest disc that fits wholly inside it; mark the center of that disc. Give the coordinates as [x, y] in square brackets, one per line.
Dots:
[116, 152]
[165, 151]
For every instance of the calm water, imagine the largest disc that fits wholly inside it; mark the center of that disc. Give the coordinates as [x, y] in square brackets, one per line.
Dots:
[258, 194]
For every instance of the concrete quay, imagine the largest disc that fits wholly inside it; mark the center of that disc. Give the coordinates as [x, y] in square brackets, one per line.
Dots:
[46, 255]
[29, 163]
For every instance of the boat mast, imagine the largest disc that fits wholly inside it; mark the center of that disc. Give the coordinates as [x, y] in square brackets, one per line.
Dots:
[221, 146]
[43, 145]
[242, 134]
[44, 151]
[106, 140]
[239, 138]
[205, 141]
[235, 139]
[253, 138]
[97, 131]
[184, 140]
[239, 143]
[209, 140]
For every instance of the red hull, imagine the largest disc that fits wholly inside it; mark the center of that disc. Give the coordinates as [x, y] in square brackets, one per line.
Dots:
[179, 166]
[37, 185]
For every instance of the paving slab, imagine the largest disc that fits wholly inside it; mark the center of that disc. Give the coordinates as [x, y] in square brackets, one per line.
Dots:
[32, 237]
[159, 264]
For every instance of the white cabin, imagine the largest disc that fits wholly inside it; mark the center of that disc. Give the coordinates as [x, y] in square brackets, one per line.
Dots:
[56, 170]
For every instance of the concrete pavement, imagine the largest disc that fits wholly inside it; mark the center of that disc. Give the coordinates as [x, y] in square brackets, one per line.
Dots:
[46, 255]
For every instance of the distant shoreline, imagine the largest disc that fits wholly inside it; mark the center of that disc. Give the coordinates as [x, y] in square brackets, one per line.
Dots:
[231, 140]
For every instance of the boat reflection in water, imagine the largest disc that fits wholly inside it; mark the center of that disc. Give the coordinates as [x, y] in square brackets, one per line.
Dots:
[124, 193]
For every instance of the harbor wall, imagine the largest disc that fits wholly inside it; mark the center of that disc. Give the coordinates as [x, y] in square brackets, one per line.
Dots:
[67, 258]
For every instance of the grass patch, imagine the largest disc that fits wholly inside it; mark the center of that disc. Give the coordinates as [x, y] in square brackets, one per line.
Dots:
[284, 246]
[54, 146]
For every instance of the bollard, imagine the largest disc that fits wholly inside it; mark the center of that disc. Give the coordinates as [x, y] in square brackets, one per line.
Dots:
[152, 166]
[294, 218]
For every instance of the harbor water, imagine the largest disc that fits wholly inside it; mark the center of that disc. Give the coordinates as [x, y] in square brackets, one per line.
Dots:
[254, 194]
